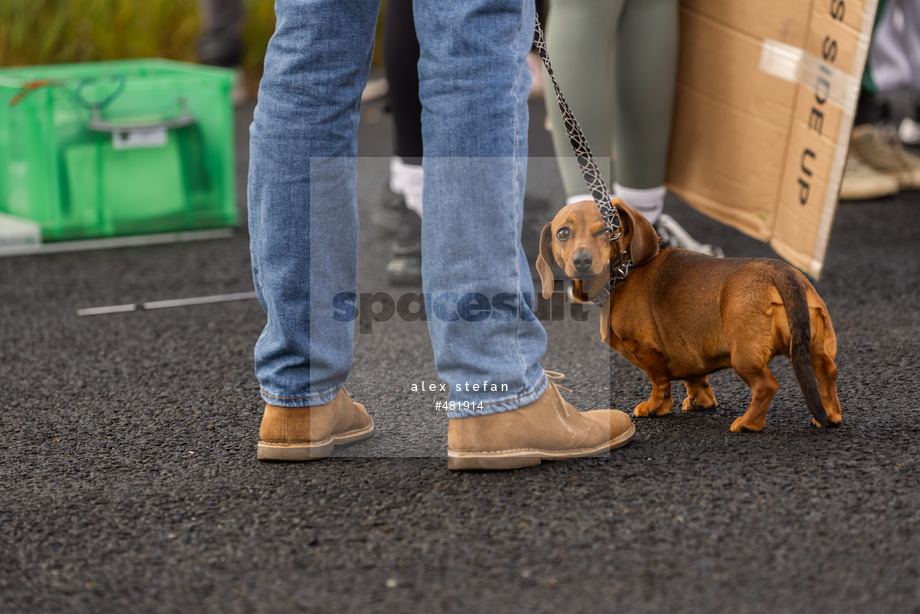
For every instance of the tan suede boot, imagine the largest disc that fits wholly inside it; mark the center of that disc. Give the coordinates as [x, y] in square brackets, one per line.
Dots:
[547, 429]
[309, 433]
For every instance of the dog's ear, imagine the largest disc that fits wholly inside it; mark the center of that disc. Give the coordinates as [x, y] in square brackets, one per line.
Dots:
[545, 260]
[643, 240]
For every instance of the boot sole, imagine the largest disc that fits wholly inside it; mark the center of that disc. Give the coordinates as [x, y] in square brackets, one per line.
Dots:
[311, 451]
[517, 459]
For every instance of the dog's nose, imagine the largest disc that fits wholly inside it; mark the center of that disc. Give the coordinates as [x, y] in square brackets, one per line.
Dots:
[582, 261]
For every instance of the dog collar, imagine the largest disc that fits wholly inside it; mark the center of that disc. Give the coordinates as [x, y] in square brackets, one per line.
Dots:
[601, 297]
[618, 273]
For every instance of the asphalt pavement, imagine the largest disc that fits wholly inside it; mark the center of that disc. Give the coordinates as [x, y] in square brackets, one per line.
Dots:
[129, 480]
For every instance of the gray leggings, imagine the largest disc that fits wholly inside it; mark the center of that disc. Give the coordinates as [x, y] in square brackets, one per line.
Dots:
[616, 62]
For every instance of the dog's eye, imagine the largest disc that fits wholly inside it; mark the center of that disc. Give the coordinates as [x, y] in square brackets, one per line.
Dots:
[563, 234]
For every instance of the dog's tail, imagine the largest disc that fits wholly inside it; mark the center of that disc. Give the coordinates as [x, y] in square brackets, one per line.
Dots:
[795, 298]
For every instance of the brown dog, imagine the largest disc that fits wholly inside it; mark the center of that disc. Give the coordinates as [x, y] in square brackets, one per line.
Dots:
[680, 315]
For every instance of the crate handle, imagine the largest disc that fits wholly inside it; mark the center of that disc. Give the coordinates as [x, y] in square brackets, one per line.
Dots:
[97, 124]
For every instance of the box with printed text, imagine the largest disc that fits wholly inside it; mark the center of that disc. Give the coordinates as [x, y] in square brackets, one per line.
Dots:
[765, 101]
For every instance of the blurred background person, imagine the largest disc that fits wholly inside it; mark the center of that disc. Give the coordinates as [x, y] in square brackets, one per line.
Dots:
[616, 63]
[221, 39]
[877, 163]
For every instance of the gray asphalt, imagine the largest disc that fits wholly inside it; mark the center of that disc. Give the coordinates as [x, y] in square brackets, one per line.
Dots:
[129, 482]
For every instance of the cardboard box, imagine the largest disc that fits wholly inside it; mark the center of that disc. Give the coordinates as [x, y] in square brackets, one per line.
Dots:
[765, 100]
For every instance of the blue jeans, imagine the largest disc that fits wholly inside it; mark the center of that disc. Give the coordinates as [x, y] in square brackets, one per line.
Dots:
[473, 83]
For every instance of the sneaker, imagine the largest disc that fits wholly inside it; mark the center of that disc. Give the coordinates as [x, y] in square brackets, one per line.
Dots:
[673, 234]
[879, 147]
[909, 128]
[405, 268]
[389, 215]
[310, 433]
[862, 182]
[375, 89]
[909, 132]
[547, 429]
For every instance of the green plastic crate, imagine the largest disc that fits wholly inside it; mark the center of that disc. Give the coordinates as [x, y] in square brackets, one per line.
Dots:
[117, 148]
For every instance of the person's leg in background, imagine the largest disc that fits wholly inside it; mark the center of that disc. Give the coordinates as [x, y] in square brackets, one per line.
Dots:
[645, 81]
[579, 38]
[400, 58]
[877, 163]
[474, 86]
[621, 62]
[302, 183]
[909, 129]
[894, 59]
[221, 40]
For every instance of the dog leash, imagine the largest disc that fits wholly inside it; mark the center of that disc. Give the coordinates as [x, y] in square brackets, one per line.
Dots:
[593, 178]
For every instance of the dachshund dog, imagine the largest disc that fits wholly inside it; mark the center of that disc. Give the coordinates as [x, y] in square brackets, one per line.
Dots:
[679, 315]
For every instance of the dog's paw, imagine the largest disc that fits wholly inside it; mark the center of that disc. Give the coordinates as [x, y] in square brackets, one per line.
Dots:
[699, 395]
[740, 425]
[690, 405]
[830, 422]
[647, 408]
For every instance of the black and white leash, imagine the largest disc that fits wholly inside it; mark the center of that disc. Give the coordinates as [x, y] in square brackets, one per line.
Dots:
[593, 178]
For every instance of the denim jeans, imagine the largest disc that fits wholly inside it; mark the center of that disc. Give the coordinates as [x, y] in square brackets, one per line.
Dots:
[473, 82]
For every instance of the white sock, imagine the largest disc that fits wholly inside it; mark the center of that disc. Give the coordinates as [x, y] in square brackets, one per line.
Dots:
[407, 179]
[649, 202]
[396, 165]
[578, 198]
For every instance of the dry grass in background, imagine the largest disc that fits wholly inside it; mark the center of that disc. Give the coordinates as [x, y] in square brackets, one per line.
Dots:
[37, 32]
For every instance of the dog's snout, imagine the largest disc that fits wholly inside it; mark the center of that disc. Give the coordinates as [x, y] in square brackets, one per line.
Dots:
[582, 260]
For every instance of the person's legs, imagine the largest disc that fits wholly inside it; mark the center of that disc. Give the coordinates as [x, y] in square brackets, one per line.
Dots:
[301, 190]
[400, 57]
[893, 63]
[474, 87]
[645, 87]
[221, 42]
[646, 77]
[579, 38]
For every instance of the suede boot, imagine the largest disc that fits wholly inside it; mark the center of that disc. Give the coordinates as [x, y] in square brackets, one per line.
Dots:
[547, 429]
[309, 433]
